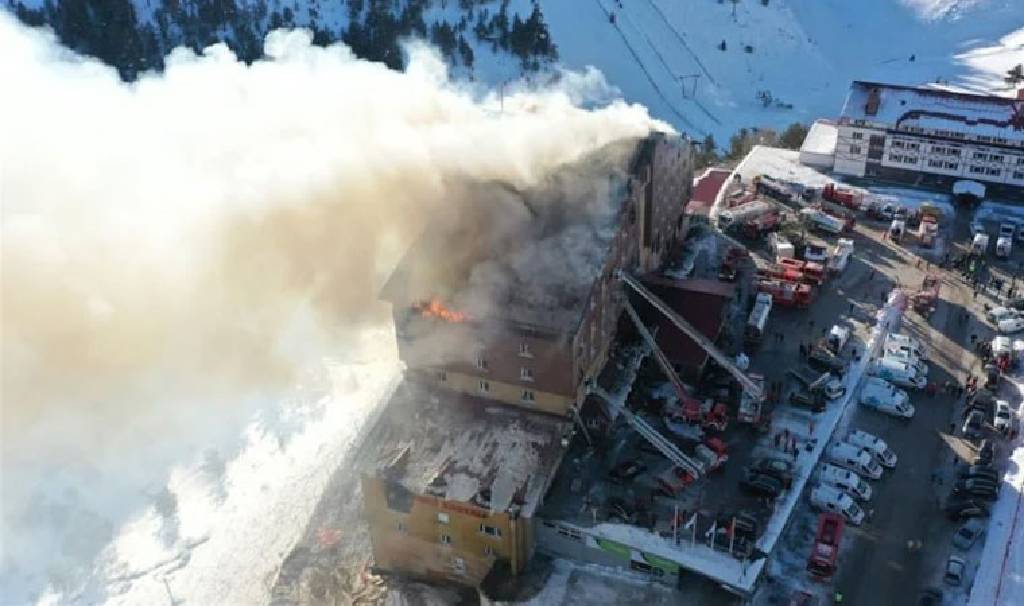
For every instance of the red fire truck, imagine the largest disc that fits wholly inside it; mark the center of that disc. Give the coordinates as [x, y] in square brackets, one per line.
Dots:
[825, 552]
[789, 294]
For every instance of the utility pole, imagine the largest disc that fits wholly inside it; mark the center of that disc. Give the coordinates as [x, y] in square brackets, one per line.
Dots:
[682, 82]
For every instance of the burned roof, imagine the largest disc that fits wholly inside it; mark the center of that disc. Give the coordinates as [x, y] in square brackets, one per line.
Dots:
[530, 255]
[469, 450]
[908, 107]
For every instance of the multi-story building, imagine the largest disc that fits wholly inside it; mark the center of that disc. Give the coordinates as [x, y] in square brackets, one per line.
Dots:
[932, 138]
[489, 315]
[546, 328]
[458, 492]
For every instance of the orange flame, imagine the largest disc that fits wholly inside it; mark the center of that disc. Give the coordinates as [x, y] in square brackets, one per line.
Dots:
[435, 309]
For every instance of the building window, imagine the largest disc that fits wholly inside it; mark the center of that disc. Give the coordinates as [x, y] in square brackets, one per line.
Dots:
[995, 158]
[443, 518]
[528, 396]
[442, 376]
[488, 550]
[401, 528]
[484, 387]
[446, 539]
[935, 163]
[481, 363]
[854, 149]
[1020, 161]
[526, 374]
[978, 156]
[913, 146]
[490, 531]
[977, 170]
[952, 165]
[1018, 174]
[524, 350]
[993, 172]
[459, 565]
[896, 144]
[857, 136]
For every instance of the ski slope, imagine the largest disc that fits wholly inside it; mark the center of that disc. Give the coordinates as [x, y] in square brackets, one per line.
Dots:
[665, 54]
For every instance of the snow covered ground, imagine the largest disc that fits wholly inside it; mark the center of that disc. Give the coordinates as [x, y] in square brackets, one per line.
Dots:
[999, 580]
[221, 529]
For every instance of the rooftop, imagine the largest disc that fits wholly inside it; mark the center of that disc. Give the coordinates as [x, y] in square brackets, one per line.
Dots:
[907, 106]
[468, 450]
[529, 256]
[705, 190]
[821, 138]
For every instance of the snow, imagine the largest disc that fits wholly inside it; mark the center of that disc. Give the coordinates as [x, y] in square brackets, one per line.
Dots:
[223, 542]
[821, 138]
[999, 580]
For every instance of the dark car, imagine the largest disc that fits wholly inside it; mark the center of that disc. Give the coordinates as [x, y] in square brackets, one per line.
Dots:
[823, 360]
[619, 509]
[761, 484]
[974, 424]
[815, 402]
[780, 469]
[627, 470]
[746, 524]
[960, 508]
[1016, 303]
[991, 376]
[976, 487]
[930, 596]
[979, 471]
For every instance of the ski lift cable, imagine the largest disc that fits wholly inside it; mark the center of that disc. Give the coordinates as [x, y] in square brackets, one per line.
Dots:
[682, 41]
[650, 78]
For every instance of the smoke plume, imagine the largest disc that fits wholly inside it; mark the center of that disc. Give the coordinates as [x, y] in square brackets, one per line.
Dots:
[176, 249]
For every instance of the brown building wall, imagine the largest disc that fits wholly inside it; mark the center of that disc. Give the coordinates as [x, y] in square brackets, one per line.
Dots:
[407, 530]
[652, 225]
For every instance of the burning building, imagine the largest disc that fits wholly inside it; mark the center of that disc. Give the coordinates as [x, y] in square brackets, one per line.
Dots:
[522, 309]
[503, 312]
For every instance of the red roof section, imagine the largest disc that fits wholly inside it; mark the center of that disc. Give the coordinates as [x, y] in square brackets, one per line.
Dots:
[701, 303]
[705, 190]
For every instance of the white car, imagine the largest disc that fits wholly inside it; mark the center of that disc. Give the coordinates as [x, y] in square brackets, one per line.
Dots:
[1011, 325]
[1001, 313]
[903, 357]
[1003, 416]
[818, 254]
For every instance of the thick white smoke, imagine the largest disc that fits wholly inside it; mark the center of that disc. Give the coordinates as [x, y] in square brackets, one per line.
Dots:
[175, 249]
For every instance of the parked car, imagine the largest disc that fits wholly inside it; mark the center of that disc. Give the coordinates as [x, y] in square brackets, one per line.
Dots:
[979, 471]
[1001, 420]
[816, 253]
[1011, 325]
[976, 487]
[761, 484]
[956, 570]
[995, 314]
[627, 470]
[968, 534]
[930, 596]
[959, 508]
[1015, 303]
[824, 361]
[881, 395]
[873, 444]
[974, 424]
[780, 469]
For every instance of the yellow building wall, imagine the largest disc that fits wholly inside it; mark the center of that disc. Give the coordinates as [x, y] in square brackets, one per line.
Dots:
[507, 393]
[410, 542]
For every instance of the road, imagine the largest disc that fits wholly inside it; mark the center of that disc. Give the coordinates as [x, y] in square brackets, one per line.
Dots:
[879, 568]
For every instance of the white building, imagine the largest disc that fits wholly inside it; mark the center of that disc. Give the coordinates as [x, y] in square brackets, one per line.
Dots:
[932, 138]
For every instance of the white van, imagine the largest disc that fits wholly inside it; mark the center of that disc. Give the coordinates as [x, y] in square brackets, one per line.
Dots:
[1004, 246]
[905, 342]
[875, 445]
[905, 357]
[844, 479]
[897, 372]
[881, 395]
[855, 459]
[829, 498]
[1011, 325]
[980, 244]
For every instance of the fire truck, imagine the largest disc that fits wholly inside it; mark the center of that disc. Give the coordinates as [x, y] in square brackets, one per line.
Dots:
[814, 272]
[825, 552]
[840, 195]
[751, 409]
[783, 272]
[788, 294]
